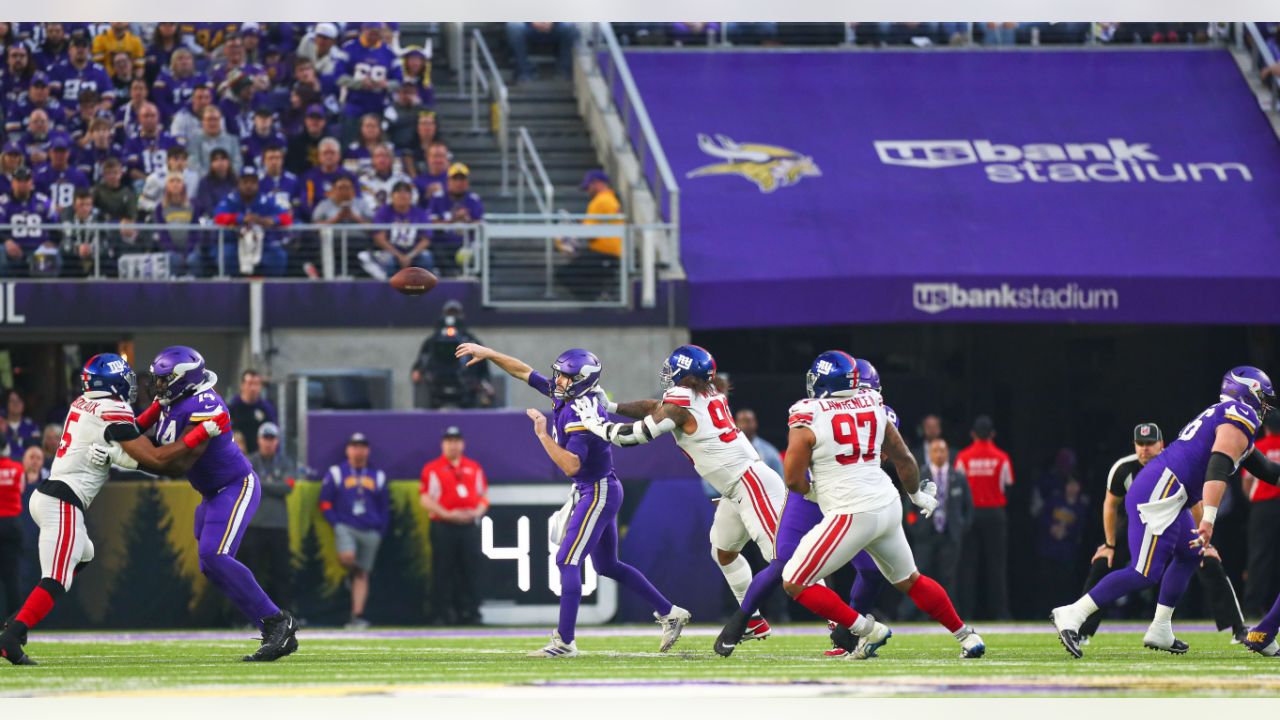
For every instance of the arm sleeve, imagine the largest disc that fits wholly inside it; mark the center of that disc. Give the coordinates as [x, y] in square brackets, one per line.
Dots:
[1261, 467]
[121, 432]
[539, 382]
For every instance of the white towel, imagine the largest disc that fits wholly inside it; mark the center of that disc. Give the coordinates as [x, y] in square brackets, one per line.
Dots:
[1160, 514]
[560, 520]
[250, 250]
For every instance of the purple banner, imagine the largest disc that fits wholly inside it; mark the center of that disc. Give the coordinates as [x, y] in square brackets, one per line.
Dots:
[400, 443]
[1044, 186]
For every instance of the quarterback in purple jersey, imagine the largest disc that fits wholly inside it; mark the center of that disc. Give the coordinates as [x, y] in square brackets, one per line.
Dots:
[185, 396]
[1172, 506]
[591, 529]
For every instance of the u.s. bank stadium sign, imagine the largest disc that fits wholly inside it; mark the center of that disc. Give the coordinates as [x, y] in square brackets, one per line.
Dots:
[933, 298]
[1114, 161]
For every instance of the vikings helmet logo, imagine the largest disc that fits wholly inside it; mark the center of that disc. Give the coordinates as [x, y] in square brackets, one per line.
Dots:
[768, 166]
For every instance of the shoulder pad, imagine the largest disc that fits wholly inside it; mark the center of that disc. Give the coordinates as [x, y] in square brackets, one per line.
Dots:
[678, 395]
[1242, 414]
[800, 414]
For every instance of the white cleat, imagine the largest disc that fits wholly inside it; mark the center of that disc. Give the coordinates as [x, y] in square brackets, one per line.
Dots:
[871, 642]
[1068, 628]
[972, 646]
[672, 625]
[557, 648]
[1160, 637]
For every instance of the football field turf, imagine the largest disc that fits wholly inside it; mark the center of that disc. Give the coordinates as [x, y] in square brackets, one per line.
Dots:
[920, 660]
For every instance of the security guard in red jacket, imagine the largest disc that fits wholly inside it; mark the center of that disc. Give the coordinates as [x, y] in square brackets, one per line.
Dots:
[455, 492]
[11, 485]
[984, 567]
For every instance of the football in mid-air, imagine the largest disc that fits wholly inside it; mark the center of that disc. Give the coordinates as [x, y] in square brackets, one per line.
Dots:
[413, 281]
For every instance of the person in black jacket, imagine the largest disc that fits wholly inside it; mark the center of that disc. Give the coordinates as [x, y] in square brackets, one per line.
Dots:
[446, 381]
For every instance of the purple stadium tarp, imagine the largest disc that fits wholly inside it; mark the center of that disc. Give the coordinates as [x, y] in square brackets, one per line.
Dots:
[1050, 186]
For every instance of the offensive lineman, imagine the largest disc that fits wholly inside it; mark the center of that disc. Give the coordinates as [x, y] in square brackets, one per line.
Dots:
[695, 410]
[834, 452]
[99, 425]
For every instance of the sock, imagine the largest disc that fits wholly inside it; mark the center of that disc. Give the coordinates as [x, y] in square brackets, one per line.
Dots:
[964, 632]
[823, 601]
[1176, 578]
[1086, 605]
[932, 600]
[38, 603]
[761, 587]
[1114, 586]
[738, 575]
[1164, 615]
[570, 598]
[1270, 622]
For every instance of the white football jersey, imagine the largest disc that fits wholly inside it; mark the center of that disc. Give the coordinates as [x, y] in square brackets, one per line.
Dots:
[845, 468]
[86, 424]
[720, 452]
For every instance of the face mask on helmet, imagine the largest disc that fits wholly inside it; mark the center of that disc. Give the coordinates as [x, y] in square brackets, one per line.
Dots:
[667, 376]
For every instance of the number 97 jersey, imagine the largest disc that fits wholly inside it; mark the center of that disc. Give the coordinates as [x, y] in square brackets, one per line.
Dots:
[845, 467]
[719, 451]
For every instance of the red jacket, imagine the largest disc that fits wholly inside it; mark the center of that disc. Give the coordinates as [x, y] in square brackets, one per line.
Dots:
[11, 473]
[1269, 446]
[456, 488]
[989, 471]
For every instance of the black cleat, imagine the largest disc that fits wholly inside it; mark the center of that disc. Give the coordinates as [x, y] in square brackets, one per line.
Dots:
[1069, 638]
[843, 638]
[11, 648]
[732, 633]
[1177, 647]
[278, 638]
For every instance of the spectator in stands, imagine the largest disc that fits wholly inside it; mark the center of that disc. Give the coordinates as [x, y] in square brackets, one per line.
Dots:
[359, 154]
[117, 202]
[188, 120]
[236, 65]
[184, 247]
[433, 179]
[37, 97]
[55, 46]
[213, 136]
[279, 182]
[176, 85]
[311, 88]
[250, 408]
[318, 181]
[146, 151]
[370, 73]
[50, 439]
[265, 547]
[986, 545]
[592, 272]
[263, 136]
[175, 163]
[165, 41]
[98, 147]
[59, 179]
[382, 176]
[343, 206]
[320, 47]
[403, 246]
[81, 119]
[746, 421]
[415, 69]
[356, 502]
[127, 113]
[303, 149]
[88, 247]
[18, 432]
[413, 153]
[121, 69]
[17, 73]
[402, 116]
[215, 185]
[258, 247]
[455, 493]
[32, 249]
[79, 73]
[439, 378]
[562, 36]
[1263, 575]
[1000, 33]
[118, 40]
[35, 141]
[237, 105]
[456, 205]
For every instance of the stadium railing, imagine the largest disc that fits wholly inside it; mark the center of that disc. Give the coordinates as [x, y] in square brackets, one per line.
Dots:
[486, 80]
[1250, 38]
[532, 175]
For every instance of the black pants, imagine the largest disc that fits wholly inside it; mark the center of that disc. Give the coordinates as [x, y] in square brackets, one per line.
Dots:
[1263, 578]
[10, 555]
[266, 552]
[1213, 577]
[984, 570]
[455, 570]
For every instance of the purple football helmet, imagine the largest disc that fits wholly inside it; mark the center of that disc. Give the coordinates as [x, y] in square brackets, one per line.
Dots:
[177, 371]
[1250, 386]
[868, 376]
[893, 416]
[583, 370]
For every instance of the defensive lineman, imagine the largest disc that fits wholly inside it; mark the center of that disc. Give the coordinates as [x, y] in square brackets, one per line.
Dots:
[99, 425]
[694, 409]
[1164, 542]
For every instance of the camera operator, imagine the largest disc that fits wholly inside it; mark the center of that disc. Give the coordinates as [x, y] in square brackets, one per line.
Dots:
[445, 381]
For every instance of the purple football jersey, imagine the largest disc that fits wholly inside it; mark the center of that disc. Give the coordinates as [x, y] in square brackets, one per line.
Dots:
[222, 462]
[1188, 456]
[595, 453]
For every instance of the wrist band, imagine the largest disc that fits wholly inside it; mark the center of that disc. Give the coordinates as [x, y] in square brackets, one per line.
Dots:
[1210, 514]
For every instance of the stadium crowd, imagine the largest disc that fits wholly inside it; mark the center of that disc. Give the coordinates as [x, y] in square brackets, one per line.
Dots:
[250, 126]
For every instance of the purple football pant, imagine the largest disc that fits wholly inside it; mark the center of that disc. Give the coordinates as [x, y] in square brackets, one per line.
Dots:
[799, 516]
[592, 531]
[221, 521]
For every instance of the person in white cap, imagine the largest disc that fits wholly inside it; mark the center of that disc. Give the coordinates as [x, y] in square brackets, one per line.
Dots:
[320, 46]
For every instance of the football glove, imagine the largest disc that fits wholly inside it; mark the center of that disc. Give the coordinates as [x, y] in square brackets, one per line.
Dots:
[927, 503]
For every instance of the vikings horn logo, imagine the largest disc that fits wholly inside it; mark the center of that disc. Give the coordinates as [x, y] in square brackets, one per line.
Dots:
[768, 166]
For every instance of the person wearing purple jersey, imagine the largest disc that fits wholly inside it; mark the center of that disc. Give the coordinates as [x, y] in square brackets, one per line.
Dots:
[36, 98]
[433, 174]
[591, 529]
[278, 182]
[404, 245]
[146, 150]
[15, 77]
[27, 242]
[174, 87]
[98, 148]
[318, 181]
[185, 397]
[457, 204]
[262, 136]
[1172, 506]
[237, 64]
[78, 73]
[369, 73]
[39, 135]
[58, 179]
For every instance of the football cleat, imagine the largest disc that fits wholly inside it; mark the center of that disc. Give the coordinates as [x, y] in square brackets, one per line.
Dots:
[1263, 643]
[11, 649]
[1067, 635]
[1160, 637]
[672, 625]
[843, 641]
[871, 642]
[557, 648]
[757, 629]
[1238, 636]
[972, 647]
[278, 638]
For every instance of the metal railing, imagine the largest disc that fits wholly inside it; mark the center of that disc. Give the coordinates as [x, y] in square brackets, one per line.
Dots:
[1262, 56]
[532, 175]
[486, 79]
[635, 118]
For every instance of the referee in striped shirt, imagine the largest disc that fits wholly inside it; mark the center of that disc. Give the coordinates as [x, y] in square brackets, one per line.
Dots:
[1114, 551]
